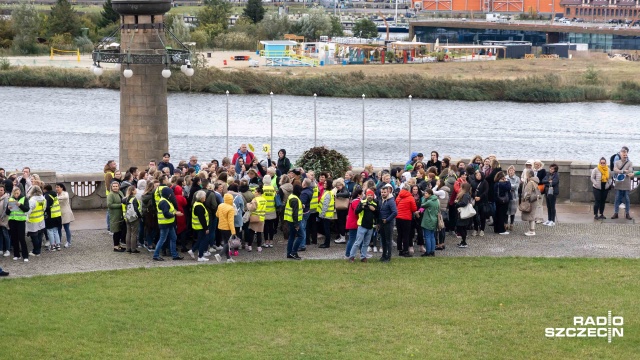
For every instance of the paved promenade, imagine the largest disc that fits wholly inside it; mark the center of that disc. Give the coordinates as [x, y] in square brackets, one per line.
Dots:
[576, 235]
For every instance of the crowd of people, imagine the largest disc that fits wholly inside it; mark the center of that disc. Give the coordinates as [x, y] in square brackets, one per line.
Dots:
[215, 209]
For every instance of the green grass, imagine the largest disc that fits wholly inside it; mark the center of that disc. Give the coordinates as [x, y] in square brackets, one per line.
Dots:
[442, 308]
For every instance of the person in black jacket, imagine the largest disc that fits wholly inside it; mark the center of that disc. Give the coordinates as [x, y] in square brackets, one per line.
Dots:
[462, 199]
[502, 195]
[551, 183]
[283, 162]
[495, 169]
[480, 191]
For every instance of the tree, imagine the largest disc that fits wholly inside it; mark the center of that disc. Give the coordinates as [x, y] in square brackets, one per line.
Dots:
[312, 26]
[26, 25]
[365, 28]
[336, 27]
[214, 14]
[108, 15]
[63, 19]
[254, 11]
[273, 27]
[321, 159]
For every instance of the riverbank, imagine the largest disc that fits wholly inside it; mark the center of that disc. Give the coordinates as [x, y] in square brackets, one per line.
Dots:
[536, 80]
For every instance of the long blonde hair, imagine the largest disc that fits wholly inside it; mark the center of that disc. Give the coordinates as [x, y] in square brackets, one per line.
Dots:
[464, 189]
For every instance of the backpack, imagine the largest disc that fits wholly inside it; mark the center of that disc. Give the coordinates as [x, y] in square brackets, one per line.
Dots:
[612, 161]
[130, 215]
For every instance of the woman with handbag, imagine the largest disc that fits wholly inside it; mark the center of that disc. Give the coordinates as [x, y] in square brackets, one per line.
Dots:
[502, 197]
[530, 196]
[226, 213]
[480, 191]
[463, 201]
[342, 196]
[540, 173]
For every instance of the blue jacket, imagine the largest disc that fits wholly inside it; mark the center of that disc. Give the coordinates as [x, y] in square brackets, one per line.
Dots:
[388, 209]
[305, 198]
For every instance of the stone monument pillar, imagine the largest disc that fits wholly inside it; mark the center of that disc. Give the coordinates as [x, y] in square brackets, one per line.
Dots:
[144, 131]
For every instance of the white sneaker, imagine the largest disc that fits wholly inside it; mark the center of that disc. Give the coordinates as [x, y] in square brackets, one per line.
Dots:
[546, 223]
[26, 260]
[474, 233]
[370, 249]
[17, 258]
[66, 245]
[202, 259]
[551, 223]
[375, 249]
[218, 248]
[218, 257]
[230, 261]
[504, 233]
[369, 256]
[530, 233]
[394, 244]
[481, 233]
[206, 253]
[47, 244]
[259, 248]
[6, 253]
[212, 249]
[193, 256]
[340, 240]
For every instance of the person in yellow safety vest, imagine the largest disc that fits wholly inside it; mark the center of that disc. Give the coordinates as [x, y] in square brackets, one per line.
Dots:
[312, 222]
[132, 222]
[257, 206]
[270, 211]
[167, 223]
[328, 212]
[200, 226]
[53, 218]
[109, 171]
[17, 211]
[35, 220]
[293, 214]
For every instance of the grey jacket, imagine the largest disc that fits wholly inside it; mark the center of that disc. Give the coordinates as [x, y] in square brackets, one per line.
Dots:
[619, 169]
[596, 179]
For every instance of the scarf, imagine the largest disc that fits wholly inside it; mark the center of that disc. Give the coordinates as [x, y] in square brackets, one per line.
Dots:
[604, 170]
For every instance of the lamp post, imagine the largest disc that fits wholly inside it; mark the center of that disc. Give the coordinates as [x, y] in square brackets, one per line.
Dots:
[315, 119]
[271, 147]
[227, 123]
[410, 124]
[363, 96]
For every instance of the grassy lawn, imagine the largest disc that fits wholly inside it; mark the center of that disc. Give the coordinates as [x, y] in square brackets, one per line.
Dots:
[439, 308]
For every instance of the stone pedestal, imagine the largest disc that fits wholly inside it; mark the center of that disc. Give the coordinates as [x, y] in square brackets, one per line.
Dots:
[144, 131]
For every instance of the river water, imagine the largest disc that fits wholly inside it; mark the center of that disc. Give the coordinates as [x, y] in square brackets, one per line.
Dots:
[76, 130]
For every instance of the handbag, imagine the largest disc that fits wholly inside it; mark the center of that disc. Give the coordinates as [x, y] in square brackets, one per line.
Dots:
[440, 221]
[525, 207]
[485, 209]
[467, 211]
[254, 218]
[278, 201]
[234, 242]
[342, 203]
[246, 216]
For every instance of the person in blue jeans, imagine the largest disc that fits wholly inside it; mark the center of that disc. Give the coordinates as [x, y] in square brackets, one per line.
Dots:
[388, 213]
[352, 220]
[293, 216]
[305, 197]
[623, 171]
[167, 223]
[367, 212]
[429, 224]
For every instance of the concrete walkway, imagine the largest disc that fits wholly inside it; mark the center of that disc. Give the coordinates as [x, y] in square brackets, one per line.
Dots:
[576, 235]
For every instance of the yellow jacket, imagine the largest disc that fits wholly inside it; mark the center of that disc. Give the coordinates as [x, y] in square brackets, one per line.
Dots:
[225, 214]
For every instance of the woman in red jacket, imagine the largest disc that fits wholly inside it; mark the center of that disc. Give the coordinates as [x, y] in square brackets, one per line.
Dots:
[181, 221]
[406, 208]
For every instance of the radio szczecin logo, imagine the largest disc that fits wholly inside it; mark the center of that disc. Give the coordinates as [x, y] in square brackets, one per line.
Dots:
[591, 327]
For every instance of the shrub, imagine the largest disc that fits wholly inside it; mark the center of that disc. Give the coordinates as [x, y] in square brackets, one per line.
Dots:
[4, 63]
[628, 92]
[322, 159]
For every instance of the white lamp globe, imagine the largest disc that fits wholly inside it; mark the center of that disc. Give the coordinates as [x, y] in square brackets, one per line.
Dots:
[183, 68]
[127, 73]
[166, 73]
[189, 71]
[117, 66]
[93, 67]
[97, 70]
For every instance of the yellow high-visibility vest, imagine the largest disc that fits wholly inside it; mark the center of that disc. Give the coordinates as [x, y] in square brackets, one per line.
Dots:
[332, 208]
[269, 194]
[17, 215]
[362, 212]
[288, 210]
[55, 208]
[37, 214]
[195, 221]
[313, 206]
[161, 219]
[260, 209]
